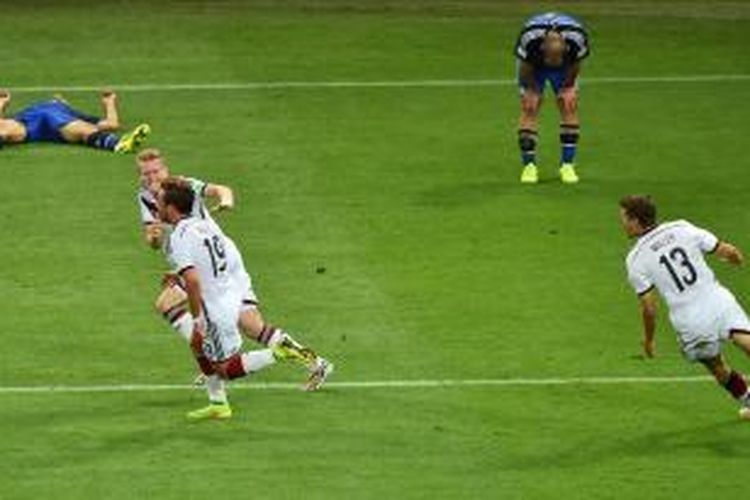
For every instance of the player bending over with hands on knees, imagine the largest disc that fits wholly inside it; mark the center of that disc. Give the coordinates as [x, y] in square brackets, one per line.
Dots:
[550, 48]
[56, 121]
[669, 258]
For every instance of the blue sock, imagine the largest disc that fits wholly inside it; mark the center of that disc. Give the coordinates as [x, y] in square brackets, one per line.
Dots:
[527, 140]
[102, 140]
[569, 142]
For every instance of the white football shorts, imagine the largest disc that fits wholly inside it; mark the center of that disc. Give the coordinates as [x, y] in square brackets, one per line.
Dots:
[719, 316]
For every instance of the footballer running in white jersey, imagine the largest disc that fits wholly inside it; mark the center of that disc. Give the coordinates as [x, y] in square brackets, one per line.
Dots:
[669, 258]
[198, 252]
[172, 300]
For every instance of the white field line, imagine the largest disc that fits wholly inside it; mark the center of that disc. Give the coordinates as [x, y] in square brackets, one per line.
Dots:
[270, 85]
[375, 384]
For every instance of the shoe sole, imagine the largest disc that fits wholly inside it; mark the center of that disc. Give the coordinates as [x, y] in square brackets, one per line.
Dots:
[210, 417]
[316, 381]
[139, 135]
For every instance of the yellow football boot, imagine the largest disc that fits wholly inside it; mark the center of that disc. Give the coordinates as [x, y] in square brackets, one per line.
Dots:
[130, 141]
[214, 411]
[568, 174]
[530, 174]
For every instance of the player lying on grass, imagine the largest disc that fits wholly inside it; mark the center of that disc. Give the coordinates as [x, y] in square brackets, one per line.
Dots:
[172, 301]
[213, 275]
[56, 121]
[669, 257]
[550, 49]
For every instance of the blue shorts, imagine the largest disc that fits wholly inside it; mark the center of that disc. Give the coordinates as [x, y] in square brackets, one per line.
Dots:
[44, 120]
[555, 77]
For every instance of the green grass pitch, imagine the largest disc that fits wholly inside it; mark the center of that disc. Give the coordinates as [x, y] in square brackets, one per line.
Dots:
[439, 264]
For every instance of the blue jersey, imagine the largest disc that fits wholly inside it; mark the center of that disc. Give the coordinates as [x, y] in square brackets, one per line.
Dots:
[529, 43]
[44, 120]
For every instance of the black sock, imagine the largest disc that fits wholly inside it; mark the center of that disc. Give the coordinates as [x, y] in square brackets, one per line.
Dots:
[527, 140]
[102, 140]
[569, 142]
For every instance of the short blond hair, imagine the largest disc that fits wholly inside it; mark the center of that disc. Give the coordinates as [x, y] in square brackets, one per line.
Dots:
[149, 154]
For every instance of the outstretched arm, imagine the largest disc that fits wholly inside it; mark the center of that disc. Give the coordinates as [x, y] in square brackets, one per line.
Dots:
[648, 315]
[729, 253]
[222, 194]
[111, 120]
[4, 101]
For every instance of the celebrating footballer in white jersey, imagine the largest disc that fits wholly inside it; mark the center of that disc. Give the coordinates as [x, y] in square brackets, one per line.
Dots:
[669, 258]
[172, 300]
[197, 251]
[196, 244]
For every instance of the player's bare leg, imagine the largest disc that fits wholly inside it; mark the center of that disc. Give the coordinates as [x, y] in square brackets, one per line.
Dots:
[741, 339]
[244, 363]
[567, 104]
[11, 132]
[173, 306]
[285, 346]
[218, 407]
[78, 131]
[718, 368]
[101, 135]
[731, 380]
[255, 327]
[238, 365]
[83, 132]
[531, 102]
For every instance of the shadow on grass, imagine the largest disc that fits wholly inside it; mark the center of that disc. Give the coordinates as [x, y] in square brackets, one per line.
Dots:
[464, 194]
[477, 192]
[719, 440]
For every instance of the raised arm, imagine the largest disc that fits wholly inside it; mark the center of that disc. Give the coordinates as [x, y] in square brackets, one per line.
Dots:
[222, 194]
[729, 253]
[111, 120]
[648, 315]
[4, 101]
